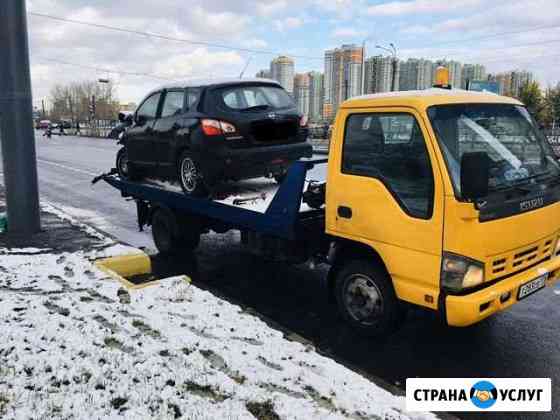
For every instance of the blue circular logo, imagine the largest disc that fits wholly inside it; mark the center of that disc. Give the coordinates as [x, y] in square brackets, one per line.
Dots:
[484, 394]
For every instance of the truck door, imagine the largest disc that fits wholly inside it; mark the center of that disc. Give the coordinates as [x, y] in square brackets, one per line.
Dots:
[385, 191]
[139, 143]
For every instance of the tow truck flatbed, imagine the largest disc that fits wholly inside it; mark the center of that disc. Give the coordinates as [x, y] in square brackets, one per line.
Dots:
[282, 218]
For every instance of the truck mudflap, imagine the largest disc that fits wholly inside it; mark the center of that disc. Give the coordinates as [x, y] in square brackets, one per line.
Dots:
[462, 311]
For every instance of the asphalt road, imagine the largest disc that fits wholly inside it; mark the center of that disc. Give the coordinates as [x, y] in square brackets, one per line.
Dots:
[522, 342]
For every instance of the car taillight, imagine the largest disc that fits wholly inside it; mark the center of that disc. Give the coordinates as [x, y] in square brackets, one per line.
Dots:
[216, 128]
[303, 121]
[211, 127]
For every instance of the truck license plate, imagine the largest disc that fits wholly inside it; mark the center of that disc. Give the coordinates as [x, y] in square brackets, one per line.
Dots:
[531, 287]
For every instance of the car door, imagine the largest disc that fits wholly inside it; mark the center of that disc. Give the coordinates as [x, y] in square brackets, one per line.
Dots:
[384, 192]
[166, 127]
[139, 137]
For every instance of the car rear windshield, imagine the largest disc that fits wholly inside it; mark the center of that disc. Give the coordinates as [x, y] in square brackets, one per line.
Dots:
[255, 97]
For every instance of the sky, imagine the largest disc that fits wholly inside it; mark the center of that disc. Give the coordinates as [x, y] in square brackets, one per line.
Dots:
[502, 35]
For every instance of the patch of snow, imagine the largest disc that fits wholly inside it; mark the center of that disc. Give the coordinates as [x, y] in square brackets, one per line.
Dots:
[113, 251]
[29, 250]
[71, 349]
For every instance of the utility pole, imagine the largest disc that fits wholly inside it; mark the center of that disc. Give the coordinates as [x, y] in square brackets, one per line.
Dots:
[16, 113]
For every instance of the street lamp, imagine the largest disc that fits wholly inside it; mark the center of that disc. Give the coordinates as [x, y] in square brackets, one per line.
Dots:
[393, 51]
[365, 41]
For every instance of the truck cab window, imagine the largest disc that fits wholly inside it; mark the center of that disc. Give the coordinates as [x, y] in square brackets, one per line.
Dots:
[391, 148]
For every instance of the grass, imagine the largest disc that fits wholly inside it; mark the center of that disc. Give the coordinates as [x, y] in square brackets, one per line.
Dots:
[262, 411]
[4, 401]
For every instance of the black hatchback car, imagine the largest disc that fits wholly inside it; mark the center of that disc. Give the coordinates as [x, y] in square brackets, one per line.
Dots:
[206, 132]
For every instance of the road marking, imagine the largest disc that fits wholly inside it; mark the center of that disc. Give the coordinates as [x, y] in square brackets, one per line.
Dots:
[70, 168]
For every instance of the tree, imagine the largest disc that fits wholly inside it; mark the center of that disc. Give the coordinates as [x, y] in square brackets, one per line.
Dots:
[72, 101]
[552, 105]
[531, 95]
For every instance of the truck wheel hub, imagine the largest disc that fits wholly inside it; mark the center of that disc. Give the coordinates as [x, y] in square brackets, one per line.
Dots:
[363, 299]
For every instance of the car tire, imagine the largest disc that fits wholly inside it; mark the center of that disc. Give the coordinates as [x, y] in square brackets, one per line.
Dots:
[189, 176]
[172, 237]
[366, 298]
[124, 168]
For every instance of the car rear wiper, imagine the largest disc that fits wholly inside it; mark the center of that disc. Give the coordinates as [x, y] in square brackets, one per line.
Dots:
[256, 108]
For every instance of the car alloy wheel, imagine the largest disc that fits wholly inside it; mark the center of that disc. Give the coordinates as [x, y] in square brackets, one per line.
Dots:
[123, 164]
[363, 299]
[189, 175]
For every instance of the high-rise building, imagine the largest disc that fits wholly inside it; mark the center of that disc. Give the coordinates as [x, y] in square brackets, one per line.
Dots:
[263, 74]
[472, 72]
[343, 76]
[301, 92]
[382, 74]
[511, 82]
[316, 81]
[416, 74]
[282, 70]
[328, 89]
[455, 72]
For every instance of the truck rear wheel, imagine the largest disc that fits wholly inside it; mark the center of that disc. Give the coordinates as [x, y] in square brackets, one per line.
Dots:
[366, 298]
[170, 236]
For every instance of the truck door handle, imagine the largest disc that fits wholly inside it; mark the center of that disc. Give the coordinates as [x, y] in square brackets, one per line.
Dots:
[345, 212]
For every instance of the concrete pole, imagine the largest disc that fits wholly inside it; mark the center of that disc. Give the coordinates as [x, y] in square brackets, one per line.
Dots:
[16, 117]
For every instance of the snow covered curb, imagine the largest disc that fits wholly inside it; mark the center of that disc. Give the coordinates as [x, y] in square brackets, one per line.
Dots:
[71, 349]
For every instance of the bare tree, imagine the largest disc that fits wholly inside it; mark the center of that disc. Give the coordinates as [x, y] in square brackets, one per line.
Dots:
[72, 101]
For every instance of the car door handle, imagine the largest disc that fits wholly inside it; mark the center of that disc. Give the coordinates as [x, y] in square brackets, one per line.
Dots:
[344, 212]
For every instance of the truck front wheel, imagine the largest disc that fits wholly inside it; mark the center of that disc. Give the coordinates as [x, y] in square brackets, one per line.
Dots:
[366, 298]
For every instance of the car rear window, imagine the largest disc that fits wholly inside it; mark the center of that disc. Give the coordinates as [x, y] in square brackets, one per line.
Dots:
[248, 97]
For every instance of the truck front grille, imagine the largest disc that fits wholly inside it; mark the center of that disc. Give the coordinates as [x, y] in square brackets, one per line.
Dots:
[519, 259]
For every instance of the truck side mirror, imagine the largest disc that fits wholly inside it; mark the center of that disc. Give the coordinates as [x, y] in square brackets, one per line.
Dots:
[475, 173]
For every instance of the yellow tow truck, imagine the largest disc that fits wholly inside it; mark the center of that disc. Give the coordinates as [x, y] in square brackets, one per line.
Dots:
[442, 198]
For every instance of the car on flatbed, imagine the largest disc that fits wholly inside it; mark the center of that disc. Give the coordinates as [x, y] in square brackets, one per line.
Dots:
[204, 132]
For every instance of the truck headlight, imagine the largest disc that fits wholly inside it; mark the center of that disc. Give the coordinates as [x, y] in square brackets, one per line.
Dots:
[459, 273]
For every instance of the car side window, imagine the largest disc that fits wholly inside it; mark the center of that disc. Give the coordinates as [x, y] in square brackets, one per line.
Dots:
[149, 107]
[173, 103]
[391, 148]
[193, 96]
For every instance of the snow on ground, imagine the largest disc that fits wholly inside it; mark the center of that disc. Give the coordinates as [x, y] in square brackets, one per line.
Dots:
[71, 349]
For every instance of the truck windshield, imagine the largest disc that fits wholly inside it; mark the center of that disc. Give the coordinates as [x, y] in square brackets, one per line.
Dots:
[518, 153]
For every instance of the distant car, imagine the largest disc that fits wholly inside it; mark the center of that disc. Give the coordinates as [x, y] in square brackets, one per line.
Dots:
[206, 132]
[43, 124]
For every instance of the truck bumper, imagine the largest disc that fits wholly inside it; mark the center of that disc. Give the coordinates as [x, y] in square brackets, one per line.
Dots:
[469, 309]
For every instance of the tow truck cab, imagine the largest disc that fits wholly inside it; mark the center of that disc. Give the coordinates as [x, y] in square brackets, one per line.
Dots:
[452, 195]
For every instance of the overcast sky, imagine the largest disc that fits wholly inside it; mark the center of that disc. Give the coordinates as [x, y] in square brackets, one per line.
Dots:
[454, 29]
